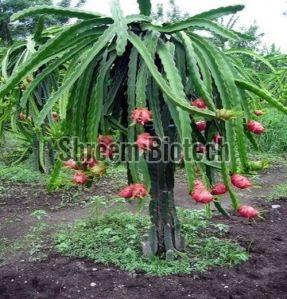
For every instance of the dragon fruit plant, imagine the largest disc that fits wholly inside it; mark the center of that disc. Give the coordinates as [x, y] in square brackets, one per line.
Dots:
[154, 84]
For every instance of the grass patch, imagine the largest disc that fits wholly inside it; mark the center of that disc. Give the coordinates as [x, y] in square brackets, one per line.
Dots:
[116, 237]
[279, 192]
[274, 140]
[22, 174]
[4, 248]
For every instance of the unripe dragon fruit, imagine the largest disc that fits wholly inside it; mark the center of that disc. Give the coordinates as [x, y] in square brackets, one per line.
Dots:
[259, 112]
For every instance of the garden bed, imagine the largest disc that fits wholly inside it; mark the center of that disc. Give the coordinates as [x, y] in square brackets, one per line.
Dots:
[264, 275]
[56, 276]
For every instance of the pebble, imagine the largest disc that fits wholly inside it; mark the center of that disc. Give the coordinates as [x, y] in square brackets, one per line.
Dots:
[275, 206]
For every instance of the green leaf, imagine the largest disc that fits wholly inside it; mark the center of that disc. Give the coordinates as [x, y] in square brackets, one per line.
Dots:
[144, 7]
[39, 28]
[55, 175]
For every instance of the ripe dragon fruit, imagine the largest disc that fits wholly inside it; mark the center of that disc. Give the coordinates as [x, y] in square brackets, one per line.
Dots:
[255, 127]
[72, 164]
[240, 181]
[201, 125]
[200, 148]
[203, 196]
[199, 103]
[247, 212]
[89, 163]
[126, 192]
[106, 142]
[145, 141]
[141, 116]
[219, 189]
[134, 191]
[200, 194]
[80, 178]
[217, 139]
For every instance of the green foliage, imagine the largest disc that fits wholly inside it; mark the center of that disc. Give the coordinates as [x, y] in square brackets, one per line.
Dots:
[23, 28]
[115, 239]
[22, 174]
[275, 138]
[279, 192]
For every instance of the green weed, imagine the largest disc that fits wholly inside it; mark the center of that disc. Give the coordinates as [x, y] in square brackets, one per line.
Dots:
[115, 238]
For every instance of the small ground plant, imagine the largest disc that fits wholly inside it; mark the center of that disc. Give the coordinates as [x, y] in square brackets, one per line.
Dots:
[116, 239]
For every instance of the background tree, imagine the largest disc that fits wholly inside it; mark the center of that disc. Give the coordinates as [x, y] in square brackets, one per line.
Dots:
[23, 28]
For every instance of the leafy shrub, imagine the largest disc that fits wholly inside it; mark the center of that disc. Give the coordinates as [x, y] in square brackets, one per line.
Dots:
[115, 239]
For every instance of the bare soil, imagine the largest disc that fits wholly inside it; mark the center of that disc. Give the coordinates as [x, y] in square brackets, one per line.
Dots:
[264, 275]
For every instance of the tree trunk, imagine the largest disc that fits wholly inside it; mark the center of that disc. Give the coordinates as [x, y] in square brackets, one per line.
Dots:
[164, 236]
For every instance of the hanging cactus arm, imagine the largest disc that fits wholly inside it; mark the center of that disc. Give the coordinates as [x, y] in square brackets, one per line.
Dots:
[263, 94]
[139, 45]
[60, 11]
[48, 52]
[219, 12]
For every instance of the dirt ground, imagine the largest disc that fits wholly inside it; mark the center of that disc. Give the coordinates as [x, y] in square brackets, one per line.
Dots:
[264, 275]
